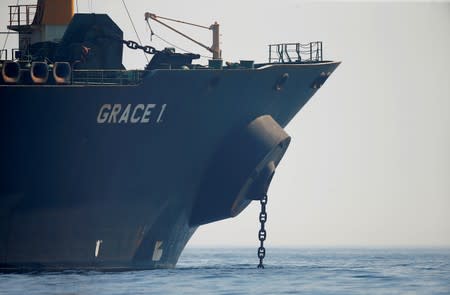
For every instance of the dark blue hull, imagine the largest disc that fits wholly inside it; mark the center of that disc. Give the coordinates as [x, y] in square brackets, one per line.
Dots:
[108, 177]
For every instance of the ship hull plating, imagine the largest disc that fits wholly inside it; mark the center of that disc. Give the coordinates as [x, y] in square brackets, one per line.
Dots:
[106, 177]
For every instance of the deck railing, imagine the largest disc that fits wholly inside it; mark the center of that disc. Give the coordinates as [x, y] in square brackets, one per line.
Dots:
[4, 54]
[15, 54]
[107, 77]
[21, 15]
[295, 52]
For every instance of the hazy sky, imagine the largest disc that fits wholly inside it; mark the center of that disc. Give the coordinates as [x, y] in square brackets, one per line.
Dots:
[369, 162]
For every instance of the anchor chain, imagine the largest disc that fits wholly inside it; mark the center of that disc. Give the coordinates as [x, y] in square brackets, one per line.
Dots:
[134, 45]
[262, 234]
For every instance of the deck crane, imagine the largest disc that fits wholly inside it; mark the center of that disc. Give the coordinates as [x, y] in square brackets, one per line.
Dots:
[214, 49]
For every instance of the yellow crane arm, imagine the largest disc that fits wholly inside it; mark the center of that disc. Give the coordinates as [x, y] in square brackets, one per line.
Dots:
[214, 49]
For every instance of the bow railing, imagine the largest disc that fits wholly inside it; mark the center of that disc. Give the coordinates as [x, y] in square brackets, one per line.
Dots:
[295, 52]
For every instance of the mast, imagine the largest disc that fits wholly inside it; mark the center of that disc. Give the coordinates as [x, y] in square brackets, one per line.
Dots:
[215, 48]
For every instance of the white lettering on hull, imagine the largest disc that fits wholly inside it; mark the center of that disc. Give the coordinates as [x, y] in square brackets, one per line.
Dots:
[97, 247]
[133, 114]
[158, 251]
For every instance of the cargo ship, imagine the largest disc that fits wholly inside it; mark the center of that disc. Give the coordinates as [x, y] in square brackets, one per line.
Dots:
[106, 168]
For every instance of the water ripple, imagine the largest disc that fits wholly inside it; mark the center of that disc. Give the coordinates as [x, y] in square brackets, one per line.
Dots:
[233, 271]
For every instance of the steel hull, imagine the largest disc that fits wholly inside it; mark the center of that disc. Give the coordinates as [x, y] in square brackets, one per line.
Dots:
[80, 193]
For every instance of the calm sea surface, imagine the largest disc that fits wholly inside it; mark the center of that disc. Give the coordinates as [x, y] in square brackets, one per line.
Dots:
[233, 271]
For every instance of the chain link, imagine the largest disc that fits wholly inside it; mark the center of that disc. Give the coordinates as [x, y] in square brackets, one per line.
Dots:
[134, 45]
[262, 234]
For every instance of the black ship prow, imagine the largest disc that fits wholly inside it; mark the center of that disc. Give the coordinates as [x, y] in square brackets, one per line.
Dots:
[111, 169]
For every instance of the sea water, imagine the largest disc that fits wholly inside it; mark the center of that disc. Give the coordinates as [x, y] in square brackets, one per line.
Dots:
[233, 271]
